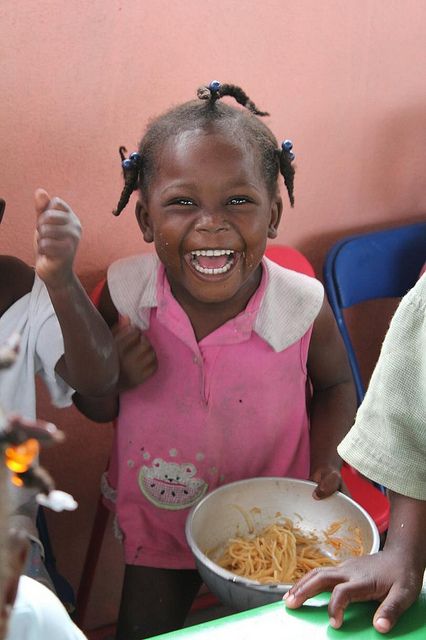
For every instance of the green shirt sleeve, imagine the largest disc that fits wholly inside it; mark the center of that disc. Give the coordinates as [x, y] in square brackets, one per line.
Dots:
[388, 440]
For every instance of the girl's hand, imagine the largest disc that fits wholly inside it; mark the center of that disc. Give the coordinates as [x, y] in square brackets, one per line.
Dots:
[328, 479]
[57, 236]
[383, 576]
[138, 361]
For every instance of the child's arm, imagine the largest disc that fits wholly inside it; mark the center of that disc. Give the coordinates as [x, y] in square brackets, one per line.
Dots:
[333, 404]
[137, 360]
[393, 576]
[89, 363]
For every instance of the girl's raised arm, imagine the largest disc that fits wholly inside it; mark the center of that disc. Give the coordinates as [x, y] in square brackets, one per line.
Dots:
[90, 363]
[137, 362]
[105, 408]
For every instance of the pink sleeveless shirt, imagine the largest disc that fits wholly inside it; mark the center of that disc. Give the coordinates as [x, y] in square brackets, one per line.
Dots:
[232, 406]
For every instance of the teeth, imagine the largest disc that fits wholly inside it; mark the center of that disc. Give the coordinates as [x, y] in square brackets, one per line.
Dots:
[212, 252]
[212, 272]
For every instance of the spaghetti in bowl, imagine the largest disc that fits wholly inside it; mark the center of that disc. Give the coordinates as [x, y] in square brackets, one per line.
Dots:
[252, 539]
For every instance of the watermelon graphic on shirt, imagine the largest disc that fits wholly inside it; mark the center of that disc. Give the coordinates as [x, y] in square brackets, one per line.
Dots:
[169, 485]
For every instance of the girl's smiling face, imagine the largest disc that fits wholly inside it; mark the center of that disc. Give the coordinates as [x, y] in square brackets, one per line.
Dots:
[209, 213]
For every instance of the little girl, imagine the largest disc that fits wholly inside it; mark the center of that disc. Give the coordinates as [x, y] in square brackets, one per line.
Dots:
[231, 366]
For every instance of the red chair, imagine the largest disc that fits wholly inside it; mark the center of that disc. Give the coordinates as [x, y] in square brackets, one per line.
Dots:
[361, 490]
[290, 258]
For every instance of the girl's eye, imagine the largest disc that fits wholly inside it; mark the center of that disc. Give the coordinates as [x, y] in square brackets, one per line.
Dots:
[238, 200]
[184, 202]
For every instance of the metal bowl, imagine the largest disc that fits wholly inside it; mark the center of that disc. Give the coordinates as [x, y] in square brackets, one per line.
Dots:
[223, 514]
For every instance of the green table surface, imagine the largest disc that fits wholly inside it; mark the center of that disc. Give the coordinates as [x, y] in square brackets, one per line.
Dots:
[310, 622]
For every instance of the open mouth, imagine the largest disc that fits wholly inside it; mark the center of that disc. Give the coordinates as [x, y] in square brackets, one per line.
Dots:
[212, 262]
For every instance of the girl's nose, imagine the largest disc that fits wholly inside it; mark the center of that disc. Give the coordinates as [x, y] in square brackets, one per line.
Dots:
[211, 222]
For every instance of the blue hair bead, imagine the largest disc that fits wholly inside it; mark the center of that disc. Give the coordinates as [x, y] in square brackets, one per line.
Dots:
[287, 145]
[135, 157]
[214, 86]
[127, 164]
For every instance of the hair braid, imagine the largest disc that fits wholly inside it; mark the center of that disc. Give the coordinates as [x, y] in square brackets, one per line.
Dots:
[213, 93]
[241, 97]
[131, 168]
[287, 171]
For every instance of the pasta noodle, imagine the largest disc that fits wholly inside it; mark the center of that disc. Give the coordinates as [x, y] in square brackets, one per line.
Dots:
[283, 553]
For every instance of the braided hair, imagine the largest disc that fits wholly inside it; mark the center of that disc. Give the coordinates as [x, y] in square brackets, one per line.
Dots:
[205, 113]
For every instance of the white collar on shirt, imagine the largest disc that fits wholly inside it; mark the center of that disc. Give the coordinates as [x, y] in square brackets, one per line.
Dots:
[289, 306]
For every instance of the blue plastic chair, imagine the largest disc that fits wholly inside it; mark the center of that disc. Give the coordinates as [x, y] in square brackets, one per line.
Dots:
[380, 264]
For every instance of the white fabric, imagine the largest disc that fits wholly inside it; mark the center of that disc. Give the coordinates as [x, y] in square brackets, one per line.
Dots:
[41, 346]
[38, 615]
[388, 440]
[293, 298]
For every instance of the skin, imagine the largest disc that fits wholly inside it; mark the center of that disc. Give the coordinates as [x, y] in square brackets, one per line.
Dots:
[15, 550]
[185, 210]
[87, 339]
[393, 576]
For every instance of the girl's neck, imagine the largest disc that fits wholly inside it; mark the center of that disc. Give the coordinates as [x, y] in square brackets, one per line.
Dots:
[207, 317]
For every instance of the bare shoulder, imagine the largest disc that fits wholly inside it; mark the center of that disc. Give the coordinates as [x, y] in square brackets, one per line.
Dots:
[16, 280]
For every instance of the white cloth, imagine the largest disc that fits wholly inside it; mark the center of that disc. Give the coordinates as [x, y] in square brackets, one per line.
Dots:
[293, 298]
[388, 440]
[41, 346]
[38, 615]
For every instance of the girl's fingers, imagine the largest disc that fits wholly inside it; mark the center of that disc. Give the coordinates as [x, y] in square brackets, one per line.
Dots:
[395, 603]
[41, 201]
[58, 232]
[130, 337]
[316, 581]
[54, 248]
[60, 205]
[53, 217]
[342, 595]
[127, 338]
[327, 485]
[122, 327]
[123, 322]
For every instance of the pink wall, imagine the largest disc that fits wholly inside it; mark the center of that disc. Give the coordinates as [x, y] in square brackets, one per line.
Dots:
[344, 80]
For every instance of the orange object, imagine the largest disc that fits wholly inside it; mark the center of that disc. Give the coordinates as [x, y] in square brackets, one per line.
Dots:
[20, 458]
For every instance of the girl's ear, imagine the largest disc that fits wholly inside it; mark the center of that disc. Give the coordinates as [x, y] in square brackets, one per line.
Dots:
[276, 212]
[144, 221]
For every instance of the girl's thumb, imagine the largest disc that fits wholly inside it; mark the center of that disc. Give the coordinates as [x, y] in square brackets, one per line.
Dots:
[123, 322]
[41, 200]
